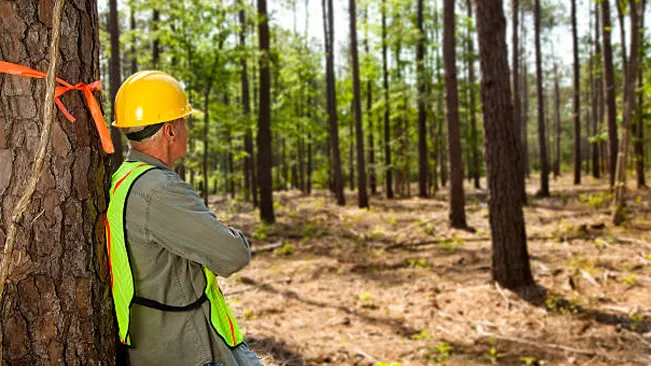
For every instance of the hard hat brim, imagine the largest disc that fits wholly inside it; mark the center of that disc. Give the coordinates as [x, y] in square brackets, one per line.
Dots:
[191, 111]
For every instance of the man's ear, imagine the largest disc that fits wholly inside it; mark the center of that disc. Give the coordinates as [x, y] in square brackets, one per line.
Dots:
[170, 129]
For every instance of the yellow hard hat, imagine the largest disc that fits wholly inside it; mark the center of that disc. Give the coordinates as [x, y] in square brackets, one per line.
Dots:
[150, 97]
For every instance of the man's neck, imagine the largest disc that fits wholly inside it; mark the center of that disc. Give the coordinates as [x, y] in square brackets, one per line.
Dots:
[156, 154]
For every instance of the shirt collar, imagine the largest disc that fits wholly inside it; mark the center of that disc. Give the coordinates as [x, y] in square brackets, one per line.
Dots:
[135, 155]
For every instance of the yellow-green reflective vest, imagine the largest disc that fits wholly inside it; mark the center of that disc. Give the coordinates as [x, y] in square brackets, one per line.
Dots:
[122, 280]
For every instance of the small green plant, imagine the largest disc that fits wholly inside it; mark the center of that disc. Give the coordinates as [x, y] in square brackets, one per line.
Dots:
[422, 336]
[529, 361]
[365, 297]
[560, 305]
[393, 221]
[636, 319]
[492, 355]
[597, 200]
[442, 353]
[417, 263]
[248, 313]
[261, 232]
[638, 200]
[630, 279]
[428, 229]
[287, 249]
[564, 198]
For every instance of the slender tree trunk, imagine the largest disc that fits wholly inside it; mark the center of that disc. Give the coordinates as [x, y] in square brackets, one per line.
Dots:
[362, 197]
[622, 34]
[639, 125]
[619, 202]
[577, 100]
[510, 266]
[372, 179]
[525, 107]
[206, 142]
[610, 89]
[422, 98]
[56, 310]
[155, 46]
[264, 120]
[595, 81]
[442, 160]
[351, 147]
[116, 80]
[328, 24]
[132, 23]
[515, 81]
[249, 179]
[474, 135]
[557, 97]
[457, 199]
[387, 123]
[542, 137]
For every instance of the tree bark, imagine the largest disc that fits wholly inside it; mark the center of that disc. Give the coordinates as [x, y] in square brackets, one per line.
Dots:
[55, 307]
[155, 46]
[474, 135]
[597, 96]
[132, 21]
[510, 267]
[525, 113]
[264, 120]
[515, 81]
[577, 101]
[387, 123]
[362, 196]
[372, 178]
[422, 98]
[557, 155]
[610, 89]
[116, 80]
[639, 125]
[619, 202]
[249, 168]
[542, 139]
[328, 25]
[457, 199]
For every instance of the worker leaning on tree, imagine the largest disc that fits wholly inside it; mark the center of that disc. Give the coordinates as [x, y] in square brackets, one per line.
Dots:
[165, 246]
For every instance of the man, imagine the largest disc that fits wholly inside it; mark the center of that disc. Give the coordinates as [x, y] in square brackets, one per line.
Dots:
[165, 247]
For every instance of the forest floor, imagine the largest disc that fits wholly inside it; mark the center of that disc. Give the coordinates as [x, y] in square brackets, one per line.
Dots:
[395, 285]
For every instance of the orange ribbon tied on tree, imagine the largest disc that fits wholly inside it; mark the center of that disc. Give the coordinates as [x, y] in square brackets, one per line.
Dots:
[87, 89]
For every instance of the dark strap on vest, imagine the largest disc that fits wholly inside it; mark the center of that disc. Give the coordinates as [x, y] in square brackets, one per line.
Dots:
[162, 307]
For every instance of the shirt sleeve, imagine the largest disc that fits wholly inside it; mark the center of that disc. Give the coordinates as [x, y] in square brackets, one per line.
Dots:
[180, 222]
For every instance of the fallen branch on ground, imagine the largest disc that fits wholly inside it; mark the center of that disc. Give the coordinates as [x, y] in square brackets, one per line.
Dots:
[267, 248]
[285, 280]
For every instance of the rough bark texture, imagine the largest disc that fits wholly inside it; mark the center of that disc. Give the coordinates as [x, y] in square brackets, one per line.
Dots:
[509, 241]
[542, 140]
[55, 308]
[388, 186]
[577, 100]
[422, 96]
[116, 158]
[264, 121]
[610, 89]
[362, 196]
[457, 199]
[328, 26]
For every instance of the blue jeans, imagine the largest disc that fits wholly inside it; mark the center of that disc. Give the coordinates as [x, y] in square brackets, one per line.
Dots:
[243, 355]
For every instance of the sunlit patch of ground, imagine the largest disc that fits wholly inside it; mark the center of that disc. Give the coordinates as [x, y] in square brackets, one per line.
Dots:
[395, 284]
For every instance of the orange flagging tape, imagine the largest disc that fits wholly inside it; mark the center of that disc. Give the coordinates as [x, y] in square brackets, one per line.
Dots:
[87, 89]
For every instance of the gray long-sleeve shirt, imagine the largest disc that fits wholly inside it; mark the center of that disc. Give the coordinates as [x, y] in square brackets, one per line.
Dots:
[171, 233]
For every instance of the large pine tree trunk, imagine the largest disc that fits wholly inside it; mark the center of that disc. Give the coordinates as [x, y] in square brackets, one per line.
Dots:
[577, 100]
[542, 139]
[362, 196]
[610, 89]
[116, 158]
[457, 199]
[328, 26]
[388, 186]
[422, 97]
[509, 240]
[55, 308]
[264, 120]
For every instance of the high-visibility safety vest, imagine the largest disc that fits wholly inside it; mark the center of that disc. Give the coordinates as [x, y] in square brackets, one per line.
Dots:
[123, 284]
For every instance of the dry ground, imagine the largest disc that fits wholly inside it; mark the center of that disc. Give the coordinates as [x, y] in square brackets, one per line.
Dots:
[395, 285]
